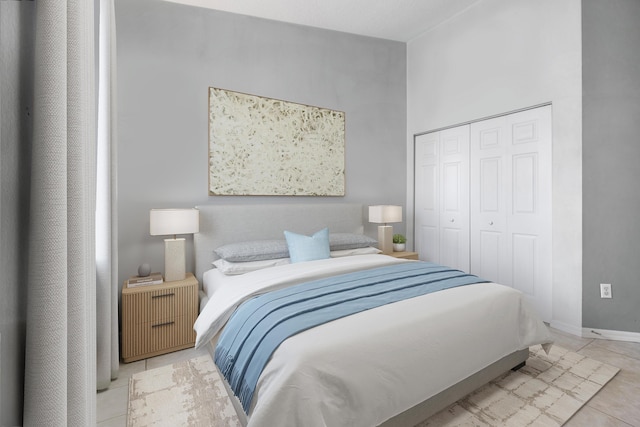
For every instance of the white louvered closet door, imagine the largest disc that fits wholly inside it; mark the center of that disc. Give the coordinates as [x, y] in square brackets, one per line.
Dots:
[442, 197]
[511, 203]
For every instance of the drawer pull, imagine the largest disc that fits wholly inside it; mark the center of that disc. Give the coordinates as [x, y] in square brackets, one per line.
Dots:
[163, 324]
[163, 295]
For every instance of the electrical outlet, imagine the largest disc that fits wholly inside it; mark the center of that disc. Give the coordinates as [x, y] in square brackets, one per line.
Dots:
[605, 290]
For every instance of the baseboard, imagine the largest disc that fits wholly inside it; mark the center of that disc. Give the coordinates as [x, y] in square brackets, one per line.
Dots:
[565, 327]
[605, 334]
[602, 334]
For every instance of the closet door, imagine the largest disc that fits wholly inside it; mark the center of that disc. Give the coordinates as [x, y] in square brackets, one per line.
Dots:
[511, 203]
[442, 197]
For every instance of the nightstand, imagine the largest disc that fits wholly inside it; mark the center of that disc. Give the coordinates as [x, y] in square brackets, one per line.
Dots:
[158, 319]
[405, 255]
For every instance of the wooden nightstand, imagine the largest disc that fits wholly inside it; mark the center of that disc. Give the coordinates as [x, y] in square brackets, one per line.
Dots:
[158, 319]
[405, 255]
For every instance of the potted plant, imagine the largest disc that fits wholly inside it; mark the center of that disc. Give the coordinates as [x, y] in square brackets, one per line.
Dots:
[399, 242]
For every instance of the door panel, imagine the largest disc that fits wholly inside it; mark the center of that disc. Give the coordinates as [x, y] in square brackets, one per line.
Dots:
[489, 263]
[426, 237]
[451, 186]
[450, 251]
[525, 178]
[490, 180]
[524, 264]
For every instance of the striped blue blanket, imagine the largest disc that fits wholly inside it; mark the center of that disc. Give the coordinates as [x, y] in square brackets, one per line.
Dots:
[262, 323]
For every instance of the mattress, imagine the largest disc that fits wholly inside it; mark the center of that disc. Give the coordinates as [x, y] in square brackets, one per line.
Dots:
[366, 368]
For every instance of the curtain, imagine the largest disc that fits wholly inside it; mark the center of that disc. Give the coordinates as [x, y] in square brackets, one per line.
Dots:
[106, 208]
[60, 350]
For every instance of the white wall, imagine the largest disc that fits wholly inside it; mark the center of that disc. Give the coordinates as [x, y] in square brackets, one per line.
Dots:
[496, 57]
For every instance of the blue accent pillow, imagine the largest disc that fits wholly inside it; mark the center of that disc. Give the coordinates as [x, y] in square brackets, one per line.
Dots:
[308, 248]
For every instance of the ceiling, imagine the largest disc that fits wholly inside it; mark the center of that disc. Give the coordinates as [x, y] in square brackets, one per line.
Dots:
[400, 20]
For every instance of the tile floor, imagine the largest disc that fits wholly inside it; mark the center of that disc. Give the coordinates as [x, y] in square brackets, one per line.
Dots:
[112, 403]
[616, 405]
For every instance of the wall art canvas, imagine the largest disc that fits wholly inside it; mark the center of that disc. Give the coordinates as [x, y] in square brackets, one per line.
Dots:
[268, 147]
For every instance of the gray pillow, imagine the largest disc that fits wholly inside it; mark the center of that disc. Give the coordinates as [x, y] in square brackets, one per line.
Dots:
[259, 250]
[342, 241]
[256, 250]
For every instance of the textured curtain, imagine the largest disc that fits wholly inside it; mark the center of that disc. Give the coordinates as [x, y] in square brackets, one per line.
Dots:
[107, 209]
[60, 352]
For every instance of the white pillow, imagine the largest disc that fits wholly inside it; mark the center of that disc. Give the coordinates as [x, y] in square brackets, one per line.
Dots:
[356, 251]
[233, 268]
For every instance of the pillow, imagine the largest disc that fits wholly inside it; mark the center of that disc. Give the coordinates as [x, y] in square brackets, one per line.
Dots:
[233, 268]
[356, 251]
[341, 241]
[253, 251]
[308, 248]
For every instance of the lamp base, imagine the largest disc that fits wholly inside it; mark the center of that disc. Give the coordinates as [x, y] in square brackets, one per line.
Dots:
[174, 259]
[385, 239]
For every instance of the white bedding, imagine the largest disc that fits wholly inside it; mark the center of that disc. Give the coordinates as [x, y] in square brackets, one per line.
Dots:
[366, 368]
[236, 289]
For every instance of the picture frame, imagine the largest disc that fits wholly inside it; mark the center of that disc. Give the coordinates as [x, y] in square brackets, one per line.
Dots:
[262, 146]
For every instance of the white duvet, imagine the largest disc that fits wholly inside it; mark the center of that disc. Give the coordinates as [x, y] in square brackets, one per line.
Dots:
[363, 369]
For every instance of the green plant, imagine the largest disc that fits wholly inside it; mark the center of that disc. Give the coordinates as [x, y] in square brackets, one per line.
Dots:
[399, 238]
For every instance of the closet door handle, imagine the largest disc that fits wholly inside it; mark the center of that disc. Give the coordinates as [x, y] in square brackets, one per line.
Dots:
[452, 220]
[490, 222]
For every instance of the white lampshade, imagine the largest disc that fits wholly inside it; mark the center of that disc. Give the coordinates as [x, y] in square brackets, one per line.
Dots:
[173, 221]
[384, 214]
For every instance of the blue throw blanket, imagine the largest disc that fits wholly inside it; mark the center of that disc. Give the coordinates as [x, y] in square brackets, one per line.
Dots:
[262, 323]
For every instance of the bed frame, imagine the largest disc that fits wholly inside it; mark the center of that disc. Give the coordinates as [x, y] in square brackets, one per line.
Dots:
[222, 224]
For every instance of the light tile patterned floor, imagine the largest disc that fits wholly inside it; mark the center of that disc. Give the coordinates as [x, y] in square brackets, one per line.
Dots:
[616, 405]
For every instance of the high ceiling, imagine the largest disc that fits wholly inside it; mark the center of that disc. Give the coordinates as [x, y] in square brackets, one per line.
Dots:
[400, 20]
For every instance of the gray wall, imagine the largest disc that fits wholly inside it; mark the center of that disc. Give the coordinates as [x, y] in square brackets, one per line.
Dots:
[168, 56]
[16, 94]
[611, 174]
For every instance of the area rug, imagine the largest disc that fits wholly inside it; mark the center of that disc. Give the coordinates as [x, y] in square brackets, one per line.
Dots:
[546, 392]
[187, 393]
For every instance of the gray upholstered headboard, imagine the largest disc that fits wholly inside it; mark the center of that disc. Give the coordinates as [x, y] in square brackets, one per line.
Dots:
[222, 224]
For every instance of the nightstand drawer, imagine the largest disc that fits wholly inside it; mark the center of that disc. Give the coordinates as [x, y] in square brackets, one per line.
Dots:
[157, 319]
[160, 304]
[144, 339]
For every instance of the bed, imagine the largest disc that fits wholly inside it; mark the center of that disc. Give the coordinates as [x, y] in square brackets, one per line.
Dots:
[394, 365]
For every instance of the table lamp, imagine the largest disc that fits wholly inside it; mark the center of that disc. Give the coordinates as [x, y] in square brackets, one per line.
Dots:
[384, 214]
[164, 222]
